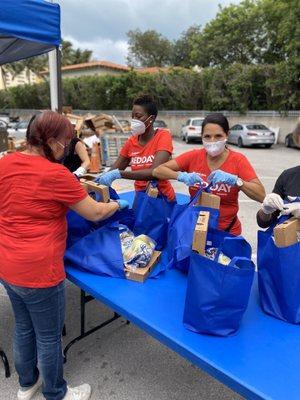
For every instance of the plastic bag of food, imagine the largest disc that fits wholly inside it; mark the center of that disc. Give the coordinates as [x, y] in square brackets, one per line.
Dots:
[126, 237]
[139, 253]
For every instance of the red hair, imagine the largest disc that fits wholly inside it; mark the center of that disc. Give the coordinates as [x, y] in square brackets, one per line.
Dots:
[46, 125]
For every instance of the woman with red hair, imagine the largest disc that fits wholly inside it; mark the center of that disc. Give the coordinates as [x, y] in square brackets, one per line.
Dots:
[36, 192]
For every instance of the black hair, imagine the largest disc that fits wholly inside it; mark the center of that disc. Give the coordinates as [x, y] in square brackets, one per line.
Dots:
[218, 119]
[147, 102]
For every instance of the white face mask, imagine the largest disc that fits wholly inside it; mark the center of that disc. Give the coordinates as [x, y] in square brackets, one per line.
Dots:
[214, 149]
[137, 127]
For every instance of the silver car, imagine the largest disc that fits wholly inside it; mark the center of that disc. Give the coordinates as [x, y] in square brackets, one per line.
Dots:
[250, 134]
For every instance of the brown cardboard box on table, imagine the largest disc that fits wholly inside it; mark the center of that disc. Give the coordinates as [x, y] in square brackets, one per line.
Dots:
[200, 232]
[287, 233]
[76, 120]
[141, 274]
[209, 200]
[152, 191]
[94, 187]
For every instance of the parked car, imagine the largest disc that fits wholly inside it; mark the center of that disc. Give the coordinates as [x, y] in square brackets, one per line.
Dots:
[289, 141]
[192, 130]
[159, 124]
[250, 134]
[19, 131]
[4, 117]
[3, 136]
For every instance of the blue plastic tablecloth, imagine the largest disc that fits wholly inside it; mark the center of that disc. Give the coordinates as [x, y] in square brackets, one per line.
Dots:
[262, 361]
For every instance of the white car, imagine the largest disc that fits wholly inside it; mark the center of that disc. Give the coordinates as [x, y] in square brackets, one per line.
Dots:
[192, 130]
[19, 131]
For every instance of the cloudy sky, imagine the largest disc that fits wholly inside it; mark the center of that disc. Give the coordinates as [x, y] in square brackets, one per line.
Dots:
[101, 25]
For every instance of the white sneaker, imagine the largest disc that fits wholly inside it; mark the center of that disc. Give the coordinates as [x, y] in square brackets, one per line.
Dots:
[82, 392]
[28, 393]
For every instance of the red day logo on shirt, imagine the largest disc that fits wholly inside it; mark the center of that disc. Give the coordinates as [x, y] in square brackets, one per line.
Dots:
[221, 188]
[142, 160]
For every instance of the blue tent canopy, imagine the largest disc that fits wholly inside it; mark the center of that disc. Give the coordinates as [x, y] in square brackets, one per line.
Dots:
[28, 28]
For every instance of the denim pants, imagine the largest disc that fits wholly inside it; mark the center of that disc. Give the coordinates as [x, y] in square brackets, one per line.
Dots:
[39, 319]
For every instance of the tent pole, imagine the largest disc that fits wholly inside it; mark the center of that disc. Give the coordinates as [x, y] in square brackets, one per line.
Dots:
[55, 79]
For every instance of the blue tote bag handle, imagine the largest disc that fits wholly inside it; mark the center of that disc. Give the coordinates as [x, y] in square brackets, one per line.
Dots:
[235, 245]
[198, 194]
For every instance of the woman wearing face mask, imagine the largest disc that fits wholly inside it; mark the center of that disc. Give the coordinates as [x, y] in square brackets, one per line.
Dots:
[228, 171]
[36, 192]
[146, 149]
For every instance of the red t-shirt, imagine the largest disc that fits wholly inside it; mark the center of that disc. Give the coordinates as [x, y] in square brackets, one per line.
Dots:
[237, 164]
[35, 195]
[142, 157]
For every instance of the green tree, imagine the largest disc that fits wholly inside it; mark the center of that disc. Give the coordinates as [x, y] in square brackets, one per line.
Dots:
[148, 49]
[251, 32]
[72, 56]
[182, 50]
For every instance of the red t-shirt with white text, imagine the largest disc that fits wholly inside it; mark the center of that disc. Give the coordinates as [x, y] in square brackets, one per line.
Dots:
[142, 157]
[237, 164]
[35, 195]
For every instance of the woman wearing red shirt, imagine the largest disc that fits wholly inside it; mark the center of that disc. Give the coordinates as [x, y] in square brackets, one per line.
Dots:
[228, 171]
[36, 192]
[146, 149]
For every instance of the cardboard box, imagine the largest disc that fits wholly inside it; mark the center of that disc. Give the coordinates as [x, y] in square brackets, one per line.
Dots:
[88, 177]
[200, 232]
[141, 274]
[94, 187]
[209, 200]
[152, 191]
[102, 120]
[77, 121]
[287, 233]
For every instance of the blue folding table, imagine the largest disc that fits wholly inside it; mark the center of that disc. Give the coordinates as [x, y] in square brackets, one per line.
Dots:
[262, 361]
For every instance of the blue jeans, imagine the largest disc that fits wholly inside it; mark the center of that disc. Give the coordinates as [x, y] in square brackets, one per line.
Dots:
[39, 316]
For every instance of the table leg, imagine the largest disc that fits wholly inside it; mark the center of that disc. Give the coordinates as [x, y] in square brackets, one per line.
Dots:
[84, 299]
[64, 330]
[5, 363]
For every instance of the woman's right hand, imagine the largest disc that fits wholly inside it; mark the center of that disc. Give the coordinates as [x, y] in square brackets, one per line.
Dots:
[189, 178]
[272, 203]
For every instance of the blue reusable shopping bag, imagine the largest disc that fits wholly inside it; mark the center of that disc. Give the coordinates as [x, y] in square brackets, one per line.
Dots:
[98, 252]
[152, 217]
[279, 277]
[217, 295]
[181, 230]
[78, 227]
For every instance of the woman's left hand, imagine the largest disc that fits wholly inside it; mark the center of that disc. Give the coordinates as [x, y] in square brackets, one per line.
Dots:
[292, 208]
[219, 176]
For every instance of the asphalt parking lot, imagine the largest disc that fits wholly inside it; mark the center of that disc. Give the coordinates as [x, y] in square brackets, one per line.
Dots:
[121, 362]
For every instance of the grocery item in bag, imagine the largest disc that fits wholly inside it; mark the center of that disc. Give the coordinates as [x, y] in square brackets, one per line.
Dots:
[139, 253]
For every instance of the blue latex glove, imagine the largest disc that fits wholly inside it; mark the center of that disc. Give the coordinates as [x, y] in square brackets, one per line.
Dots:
[108, 177]
[219, 176]
[122, 204]
[189, 178]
